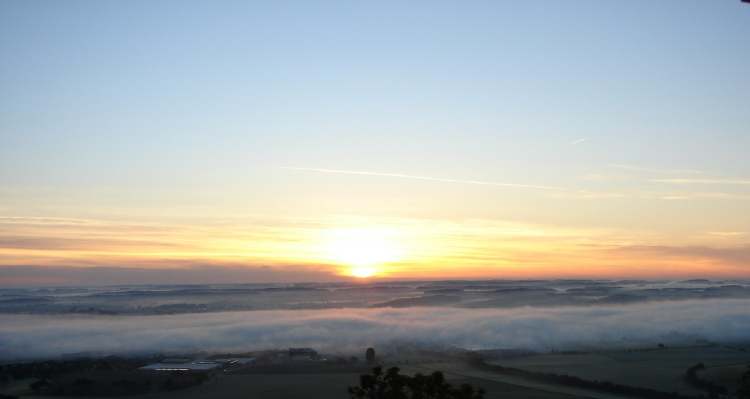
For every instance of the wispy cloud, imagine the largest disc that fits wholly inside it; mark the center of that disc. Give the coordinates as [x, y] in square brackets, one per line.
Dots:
[164, 271]
[578, 141]
[704, 196]
[728, 233]
[46, 220]
[589, 195]
[428, 178]
[554, 191]
[635, 168]
[703, 181]
[739, 255]
[671, 177]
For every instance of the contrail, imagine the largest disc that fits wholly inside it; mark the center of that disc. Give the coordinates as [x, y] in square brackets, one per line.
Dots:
[426, 178]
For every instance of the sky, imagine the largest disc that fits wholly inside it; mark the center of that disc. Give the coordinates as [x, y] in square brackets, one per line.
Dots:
[236, 141]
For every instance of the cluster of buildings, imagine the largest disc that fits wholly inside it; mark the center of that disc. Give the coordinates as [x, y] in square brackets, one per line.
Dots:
[294, 355]
[189, 365]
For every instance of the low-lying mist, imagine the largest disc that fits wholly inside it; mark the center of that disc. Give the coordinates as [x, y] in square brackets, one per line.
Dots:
[351, 330]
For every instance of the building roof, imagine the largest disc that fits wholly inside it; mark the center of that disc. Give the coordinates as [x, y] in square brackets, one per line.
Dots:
[202, 365]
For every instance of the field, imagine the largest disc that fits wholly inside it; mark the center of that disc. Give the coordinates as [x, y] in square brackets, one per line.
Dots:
[292, 386]
[326, 385]
[308, 381]
[725, 375]
[661, 369]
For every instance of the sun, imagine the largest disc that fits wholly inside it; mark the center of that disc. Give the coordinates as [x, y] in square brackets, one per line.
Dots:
[362, 252]
[363, 272]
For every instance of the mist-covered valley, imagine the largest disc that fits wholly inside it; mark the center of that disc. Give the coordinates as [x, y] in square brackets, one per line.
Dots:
[540, 316]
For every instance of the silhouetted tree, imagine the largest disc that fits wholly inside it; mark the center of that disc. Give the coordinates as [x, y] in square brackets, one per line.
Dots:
[743, 391]
[370, 355]
[392, 385]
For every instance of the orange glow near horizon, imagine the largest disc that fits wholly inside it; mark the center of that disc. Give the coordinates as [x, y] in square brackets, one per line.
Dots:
[370, 248]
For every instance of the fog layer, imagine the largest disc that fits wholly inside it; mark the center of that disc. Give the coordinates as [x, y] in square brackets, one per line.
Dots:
[344, 330]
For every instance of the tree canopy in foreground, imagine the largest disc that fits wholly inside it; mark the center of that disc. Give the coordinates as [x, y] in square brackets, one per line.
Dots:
[392, 385]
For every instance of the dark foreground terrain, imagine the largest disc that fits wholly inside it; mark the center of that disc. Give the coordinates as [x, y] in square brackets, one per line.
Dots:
[657, 372]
